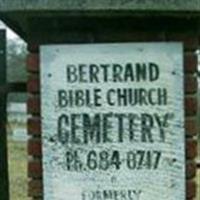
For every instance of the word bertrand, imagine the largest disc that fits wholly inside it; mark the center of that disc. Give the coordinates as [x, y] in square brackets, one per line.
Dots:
[97, 73]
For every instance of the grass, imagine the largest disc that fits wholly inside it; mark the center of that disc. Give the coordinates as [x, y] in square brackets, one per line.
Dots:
[198, 185]
[18, 170]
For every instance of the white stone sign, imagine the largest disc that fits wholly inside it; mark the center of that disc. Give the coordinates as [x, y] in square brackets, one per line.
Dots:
[113, 121]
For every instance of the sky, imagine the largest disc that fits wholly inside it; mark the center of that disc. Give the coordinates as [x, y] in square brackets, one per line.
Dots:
[10, 33]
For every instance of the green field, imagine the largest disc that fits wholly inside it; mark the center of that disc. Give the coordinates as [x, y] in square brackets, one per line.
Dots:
[18, 170]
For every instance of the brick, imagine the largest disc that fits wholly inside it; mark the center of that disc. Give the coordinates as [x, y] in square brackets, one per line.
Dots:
[190, 40]
[190, 169]
[190, 62]
[33, 85]
[127, 36]
[34, 147]
[32, 62]
[35, 188]
[34, 126]
[190, 106]
[191, 149]
[190, 84]
[191, 189]
[33, 105]
[33, 48]
[35, 169]
[191, 127]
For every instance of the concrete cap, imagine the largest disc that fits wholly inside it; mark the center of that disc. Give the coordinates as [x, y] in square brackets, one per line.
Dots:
[31, 18]
[106, 5]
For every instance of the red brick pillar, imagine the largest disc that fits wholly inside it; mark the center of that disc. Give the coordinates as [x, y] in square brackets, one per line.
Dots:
[190, 41]
[190, 61]
[34, 125]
